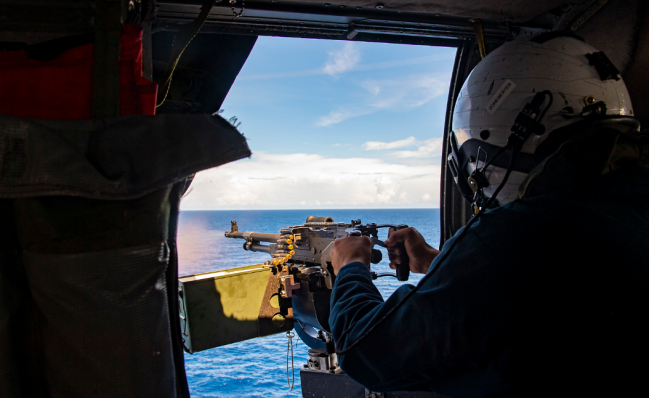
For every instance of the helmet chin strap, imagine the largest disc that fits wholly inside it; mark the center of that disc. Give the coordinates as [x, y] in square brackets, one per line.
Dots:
[527, 122]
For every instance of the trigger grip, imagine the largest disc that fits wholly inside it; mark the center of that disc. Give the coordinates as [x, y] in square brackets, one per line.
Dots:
[377, 256]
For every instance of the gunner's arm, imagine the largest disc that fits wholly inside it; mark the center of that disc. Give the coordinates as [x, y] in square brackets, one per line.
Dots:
[434, 341]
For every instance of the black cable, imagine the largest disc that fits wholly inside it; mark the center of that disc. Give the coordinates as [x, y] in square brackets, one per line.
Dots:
[431, 272]
[493, 158]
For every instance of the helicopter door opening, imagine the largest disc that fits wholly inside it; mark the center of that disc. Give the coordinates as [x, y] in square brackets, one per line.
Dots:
[342, 129]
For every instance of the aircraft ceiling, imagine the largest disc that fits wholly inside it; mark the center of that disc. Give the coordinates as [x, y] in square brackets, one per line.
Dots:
[515, 10]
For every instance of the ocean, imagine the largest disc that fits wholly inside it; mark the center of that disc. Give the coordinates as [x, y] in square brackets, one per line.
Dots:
[257, 367]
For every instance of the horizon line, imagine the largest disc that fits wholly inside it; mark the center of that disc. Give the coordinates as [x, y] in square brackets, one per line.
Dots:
[358, 208]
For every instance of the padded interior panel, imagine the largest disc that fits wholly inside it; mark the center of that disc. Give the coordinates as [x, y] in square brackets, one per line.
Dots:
[621, 30]
[515, 10]
[635, 74]
[614, 30]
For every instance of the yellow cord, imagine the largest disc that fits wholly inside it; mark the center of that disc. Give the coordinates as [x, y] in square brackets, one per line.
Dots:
[479, 34]
[190, 30]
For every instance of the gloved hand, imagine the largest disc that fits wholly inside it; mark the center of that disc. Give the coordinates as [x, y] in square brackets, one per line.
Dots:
[349, 250]
[421, 254]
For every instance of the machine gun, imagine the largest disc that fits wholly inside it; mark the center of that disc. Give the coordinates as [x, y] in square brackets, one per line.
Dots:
[290, 290]
[310, 244]
[302, 253]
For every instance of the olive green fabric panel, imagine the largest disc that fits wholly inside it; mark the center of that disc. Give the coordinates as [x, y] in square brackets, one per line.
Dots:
[104, 320]
[202, 78]
[8, 241]
[66, 225]
[20, 371]
[87, 207]
[118, 158]
[83, 314]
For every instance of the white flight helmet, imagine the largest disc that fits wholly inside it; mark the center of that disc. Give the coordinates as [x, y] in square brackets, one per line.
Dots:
[533, 87]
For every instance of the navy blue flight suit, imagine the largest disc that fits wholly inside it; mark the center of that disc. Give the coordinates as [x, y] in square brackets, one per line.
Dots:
[547, 295]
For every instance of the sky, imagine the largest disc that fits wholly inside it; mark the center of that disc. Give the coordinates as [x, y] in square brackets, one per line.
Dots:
[333, 125]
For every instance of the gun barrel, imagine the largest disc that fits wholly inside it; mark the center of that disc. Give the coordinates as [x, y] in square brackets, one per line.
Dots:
[258, 248]
[254, 236]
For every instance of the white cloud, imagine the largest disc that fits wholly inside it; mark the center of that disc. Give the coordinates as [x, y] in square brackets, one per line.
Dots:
[425, 149]
[307, 180]
[405, 62]
[376, 145]
[408, 93]
[397, 95]
[358, 67]
[343, 60]
[338, 116]
[372, 86]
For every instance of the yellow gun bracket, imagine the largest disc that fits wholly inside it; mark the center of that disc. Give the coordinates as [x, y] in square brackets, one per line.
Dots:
[228, 306]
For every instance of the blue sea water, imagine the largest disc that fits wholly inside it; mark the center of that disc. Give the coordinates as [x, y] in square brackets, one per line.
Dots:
[257, 367]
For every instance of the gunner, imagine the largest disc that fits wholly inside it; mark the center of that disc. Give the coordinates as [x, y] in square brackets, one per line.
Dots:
[546, 290]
